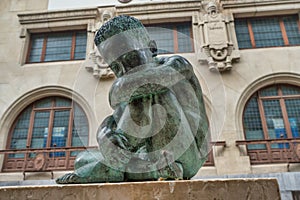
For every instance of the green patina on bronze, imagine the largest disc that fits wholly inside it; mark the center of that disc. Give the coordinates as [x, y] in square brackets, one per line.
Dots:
[158, 129]
[118, 25]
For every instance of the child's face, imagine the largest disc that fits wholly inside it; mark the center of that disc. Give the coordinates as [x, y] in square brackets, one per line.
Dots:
[123, 52]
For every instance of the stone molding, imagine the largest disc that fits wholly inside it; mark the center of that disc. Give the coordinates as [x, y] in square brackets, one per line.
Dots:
[93, 13]
[254, 3]
[53, 16]
[249, 8]
[159, 7]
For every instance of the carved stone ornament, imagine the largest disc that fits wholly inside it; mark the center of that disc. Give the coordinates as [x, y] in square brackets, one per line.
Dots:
[39, 161]
[218, 43]
[97, 66]
[94, 62]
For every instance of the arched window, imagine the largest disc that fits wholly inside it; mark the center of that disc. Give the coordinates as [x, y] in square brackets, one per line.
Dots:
[272, 123]
[45, 135]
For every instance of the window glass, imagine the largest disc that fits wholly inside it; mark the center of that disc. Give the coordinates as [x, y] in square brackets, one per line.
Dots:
[184, 38]
[40, 129]
[267, 32]
[290, 90]
[39, 132]
[172, 38]
[269, 91]
[80, 129]
[44, 103]
[36, 48]
[164, 38]
[275, 121]
[20, 132]
[62, 102]
[60, 131]
[292, 29]
[59, 47]
[242, 33]
[80, 49]
[252, 124]
[293, 110]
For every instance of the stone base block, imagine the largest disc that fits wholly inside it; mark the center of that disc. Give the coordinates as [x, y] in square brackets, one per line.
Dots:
[234, 189]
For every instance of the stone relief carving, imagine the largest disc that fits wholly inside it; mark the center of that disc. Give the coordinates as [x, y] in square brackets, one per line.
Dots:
[218, 43]
[97, 66]
[94, 62]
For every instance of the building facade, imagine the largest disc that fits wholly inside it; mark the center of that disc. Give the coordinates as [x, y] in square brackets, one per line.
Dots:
[54, 84]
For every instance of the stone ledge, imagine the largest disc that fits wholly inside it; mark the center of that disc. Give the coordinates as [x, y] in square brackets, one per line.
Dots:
[240, 189]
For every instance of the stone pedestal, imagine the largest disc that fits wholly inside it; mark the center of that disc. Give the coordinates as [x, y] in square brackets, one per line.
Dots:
[235, 189]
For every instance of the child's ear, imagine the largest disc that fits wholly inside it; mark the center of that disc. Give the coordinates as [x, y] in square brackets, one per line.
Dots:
[153, 47]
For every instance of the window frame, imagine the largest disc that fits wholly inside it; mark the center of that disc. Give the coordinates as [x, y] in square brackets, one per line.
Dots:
[67, 158]
[288, 152]
[175, 35]
[44, 46]
[284, 35]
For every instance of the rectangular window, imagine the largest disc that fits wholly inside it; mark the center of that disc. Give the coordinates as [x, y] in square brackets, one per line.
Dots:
[172, 37]
[46, 47]
[268, 31]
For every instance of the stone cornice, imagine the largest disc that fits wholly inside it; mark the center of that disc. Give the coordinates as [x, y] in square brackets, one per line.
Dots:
[240, 6]
[159, 7]
[53, 16]
[92, 13]
[250, 3]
